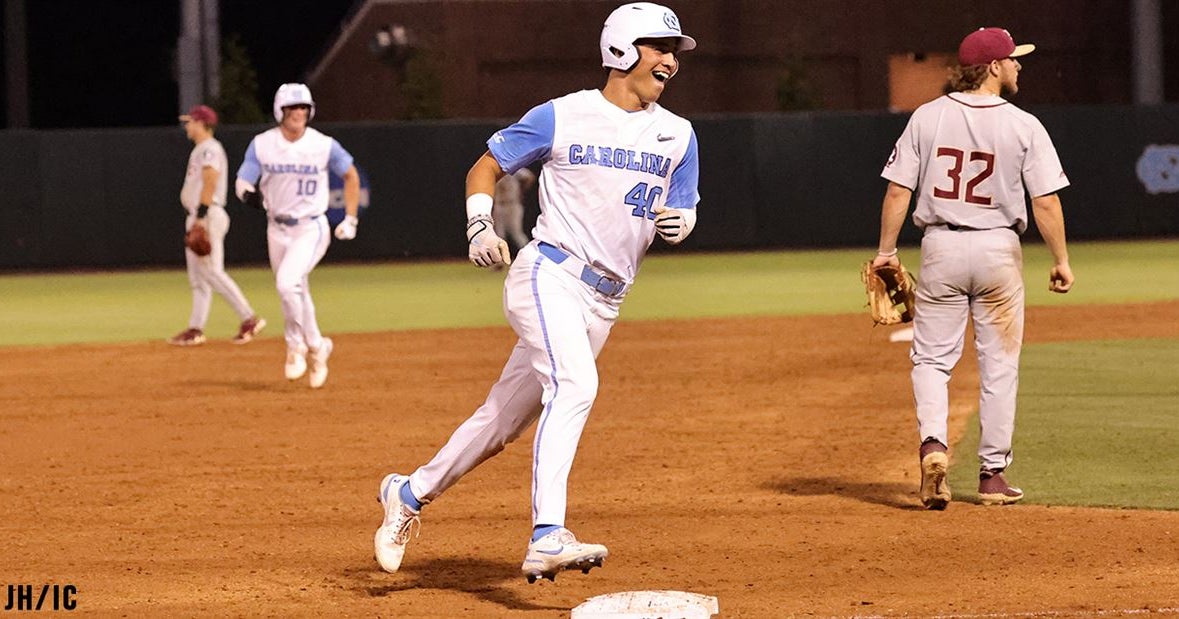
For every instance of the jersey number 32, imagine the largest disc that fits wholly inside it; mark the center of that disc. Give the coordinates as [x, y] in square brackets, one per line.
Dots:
[955, 174]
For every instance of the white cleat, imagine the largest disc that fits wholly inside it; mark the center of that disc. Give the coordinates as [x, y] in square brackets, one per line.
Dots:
[391, 538]
[296, 362]
[558, 551]
[319, 359]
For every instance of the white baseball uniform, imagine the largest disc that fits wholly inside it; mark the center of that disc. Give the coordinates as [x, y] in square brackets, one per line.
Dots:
[605, 170]
[206, 274]
[294, 186]
[968, 158]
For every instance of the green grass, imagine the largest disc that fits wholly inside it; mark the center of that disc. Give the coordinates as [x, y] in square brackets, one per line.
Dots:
[147, 305]
[1097, 424]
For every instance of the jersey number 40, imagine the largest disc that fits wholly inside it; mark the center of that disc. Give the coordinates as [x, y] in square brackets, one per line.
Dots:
[643, 199]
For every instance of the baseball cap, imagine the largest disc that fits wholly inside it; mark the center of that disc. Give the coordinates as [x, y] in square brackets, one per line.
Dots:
[987, 44]
[202, 113]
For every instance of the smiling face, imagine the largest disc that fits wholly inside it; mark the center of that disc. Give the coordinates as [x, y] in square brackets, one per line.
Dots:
[294, 118]
[657, 63]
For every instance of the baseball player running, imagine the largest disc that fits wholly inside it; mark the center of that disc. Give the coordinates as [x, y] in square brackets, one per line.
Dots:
[292, 162]
[203, 197]
[617, 168]
[969, 155]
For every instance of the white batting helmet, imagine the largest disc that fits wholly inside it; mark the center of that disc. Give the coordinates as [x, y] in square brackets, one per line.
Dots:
[292, 94]
[638, 20]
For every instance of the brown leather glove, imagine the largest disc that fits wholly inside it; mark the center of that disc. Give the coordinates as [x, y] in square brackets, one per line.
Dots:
[891, 290]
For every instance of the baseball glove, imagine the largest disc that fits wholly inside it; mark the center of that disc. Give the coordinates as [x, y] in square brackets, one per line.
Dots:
[197, 239]
[891, 293]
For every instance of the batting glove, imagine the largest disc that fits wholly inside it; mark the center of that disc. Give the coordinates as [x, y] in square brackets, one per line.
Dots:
[346, 230]
[674, 224]
[484, 247]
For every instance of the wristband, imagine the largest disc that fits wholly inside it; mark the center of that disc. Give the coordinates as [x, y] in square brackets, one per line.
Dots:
[202, 210]
[887, 254]
[479, 205]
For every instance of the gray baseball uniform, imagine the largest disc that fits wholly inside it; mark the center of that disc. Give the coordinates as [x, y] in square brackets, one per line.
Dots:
[206, 274]
[968, 158]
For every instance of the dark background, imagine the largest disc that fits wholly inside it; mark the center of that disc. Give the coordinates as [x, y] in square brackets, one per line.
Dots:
[111, 63]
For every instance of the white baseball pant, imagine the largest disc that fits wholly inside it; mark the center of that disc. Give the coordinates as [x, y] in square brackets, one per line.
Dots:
[551, 375]
[295, 249]
[206, 274]
[978, 275]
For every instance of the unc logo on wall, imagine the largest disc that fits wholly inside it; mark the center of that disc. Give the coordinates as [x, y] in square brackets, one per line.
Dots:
[672, 21]
[1158, 168]
[335, 212]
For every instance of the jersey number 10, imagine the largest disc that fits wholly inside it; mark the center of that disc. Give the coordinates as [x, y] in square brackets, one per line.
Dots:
[955, 174]
[307, 187]
[643, 200]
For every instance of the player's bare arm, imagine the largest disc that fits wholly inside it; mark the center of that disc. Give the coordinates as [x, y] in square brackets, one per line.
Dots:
[482, 176]
[346, 229]
[209, 176]
[1050, 223]
[892, 217]
[351, 192]
[484, 248]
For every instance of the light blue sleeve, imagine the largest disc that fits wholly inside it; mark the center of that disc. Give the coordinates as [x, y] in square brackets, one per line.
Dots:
[250, 170]
[530, 139]
[339, 160]
[683, 191]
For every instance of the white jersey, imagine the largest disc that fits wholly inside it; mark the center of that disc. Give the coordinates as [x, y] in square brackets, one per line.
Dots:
[207, 154]
[605, 170]
[294, 175]
[968, 158]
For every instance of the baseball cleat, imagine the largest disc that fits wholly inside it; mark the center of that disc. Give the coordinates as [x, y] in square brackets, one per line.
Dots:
[188, 337]
[296, 362]
[249, 328]
[391, 538]
[935, 490]
[558, 551]
[993, 489]
[319, 359]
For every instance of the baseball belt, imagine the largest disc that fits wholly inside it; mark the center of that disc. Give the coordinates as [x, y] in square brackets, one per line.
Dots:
[594, 278]
[290, 221]
[957, 228]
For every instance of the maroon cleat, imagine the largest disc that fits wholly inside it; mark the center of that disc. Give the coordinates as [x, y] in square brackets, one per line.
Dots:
[188, 337]
[250, 327]
[935, 490]
[993, 489]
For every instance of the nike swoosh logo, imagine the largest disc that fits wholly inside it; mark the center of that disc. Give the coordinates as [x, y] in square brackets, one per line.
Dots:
[664, 138]
[558, 551]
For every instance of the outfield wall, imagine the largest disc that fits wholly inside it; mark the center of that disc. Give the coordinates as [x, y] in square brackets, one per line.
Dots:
[109, 198]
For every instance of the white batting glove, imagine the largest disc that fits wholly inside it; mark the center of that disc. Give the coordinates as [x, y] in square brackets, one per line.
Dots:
[241, 187]
[346, 230]
[674, 224]
[484, 248]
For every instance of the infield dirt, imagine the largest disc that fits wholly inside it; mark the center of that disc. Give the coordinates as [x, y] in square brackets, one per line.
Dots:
[770, 462]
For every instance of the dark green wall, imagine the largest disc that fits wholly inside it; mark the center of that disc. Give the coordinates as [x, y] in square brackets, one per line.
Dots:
[109, 198]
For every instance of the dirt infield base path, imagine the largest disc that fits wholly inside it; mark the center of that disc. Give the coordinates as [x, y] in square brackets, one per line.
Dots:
[769, 462]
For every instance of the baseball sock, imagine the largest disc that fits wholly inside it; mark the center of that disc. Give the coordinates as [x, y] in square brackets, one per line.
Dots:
[408, 498]
[542, 530]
